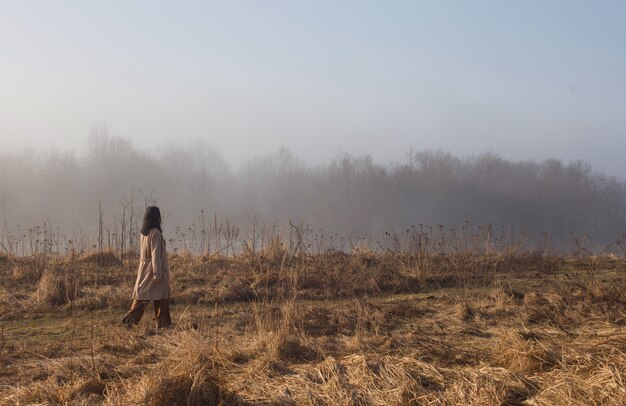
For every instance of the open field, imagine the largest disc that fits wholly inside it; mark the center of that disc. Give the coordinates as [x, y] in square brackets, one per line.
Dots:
[367, 328]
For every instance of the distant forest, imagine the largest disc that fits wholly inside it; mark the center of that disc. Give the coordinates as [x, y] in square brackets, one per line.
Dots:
[349, 194]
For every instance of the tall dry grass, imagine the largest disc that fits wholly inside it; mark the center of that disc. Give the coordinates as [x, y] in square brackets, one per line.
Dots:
[285, 323]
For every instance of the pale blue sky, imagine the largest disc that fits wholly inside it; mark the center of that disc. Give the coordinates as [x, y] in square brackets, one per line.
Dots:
[527, 79]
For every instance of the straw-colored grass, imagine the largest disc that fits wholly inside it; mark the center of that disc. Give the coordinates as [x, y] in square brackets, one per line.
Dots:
[58, 286]
[339, 330]
[525, 353]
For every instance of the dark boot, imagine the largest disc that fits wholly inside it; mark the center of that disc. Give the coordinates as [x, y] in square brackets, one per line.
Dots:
[134, 315]
[162, 313]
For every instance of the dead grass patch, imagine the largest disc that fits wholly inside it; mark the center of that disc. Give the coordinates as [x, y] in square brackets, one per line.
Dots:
[101, 259]
[58, 286]
[525, 354]
[248, 333]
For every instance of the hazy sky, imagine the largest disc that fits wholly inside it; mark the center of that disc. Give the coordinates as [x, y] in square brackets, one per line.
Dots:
[527, 79]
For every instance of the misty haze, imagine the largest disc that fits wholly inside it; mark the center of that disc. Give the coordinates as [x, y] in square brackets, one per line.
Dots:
[350, 196]
[370, 203]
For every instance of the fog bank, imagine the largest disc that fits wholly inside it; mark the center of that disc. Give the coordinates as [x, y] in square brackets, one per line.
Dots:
[350, 194]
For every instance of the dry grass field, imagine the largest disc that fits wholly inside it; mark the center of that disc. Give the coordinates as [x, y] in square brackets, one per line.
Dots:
[284, 328]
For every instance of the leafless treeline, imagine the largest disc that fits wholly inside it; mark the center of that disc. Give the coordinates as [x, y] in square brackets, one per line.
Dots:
[58, 193]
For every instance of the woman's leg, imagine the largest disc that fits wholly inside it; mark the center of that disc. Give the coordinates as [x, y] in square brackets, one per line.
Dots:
[162, 313]
[135, 313]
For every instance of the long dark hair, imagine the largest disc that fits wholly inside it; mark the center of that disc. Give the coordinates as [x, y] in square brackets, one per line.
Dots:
[151, 219]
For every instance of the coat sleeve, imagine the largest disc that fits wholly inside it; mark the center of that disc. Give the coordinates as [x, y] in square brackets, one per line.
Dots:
[157, 261]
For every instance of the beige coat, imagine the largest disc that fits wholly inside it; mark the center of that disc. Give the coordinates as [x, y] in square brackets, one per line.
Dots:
[153, 275]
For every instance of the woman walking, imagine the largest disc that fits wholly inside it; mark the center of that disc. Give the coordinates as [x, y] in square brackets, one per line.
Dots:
[153, 279]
